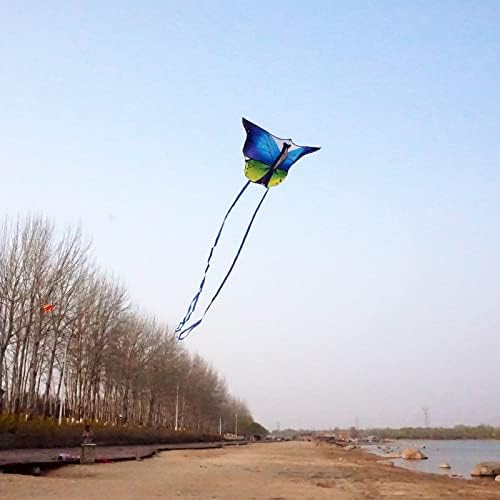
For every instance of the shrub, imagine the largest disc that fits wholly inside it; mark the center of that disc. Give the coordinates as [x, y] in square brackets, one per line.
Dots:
[39, 433]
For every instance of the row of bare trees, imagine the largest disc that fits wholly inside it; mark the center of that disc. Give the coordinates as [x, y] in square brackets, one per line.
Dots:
[93, 356]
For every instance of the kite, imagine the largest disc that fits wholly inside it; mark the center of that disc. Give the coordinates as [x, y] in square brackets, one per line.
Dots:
[267, 162]
[48, 308]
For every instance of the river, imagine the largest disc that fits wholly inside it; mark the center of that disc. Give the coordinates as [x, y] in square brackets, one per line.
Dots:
[462, 455]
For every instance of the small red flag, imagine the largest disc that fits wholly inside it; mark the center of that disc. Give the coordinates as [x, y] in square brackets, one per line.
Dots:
[48, 307]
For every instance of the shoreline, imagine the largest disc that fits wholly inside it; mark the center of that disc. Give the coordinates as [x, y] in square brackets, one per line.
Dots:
[461, 455]
[380, 459]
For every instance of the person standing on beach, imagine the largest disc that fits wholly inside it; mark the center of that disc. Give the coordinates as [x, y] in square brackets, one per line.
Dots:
[87, 435]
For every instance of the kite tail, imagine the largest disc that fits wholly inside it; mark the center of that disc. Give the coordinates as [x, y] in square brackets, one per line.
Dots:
[186, 331]
[194, 302]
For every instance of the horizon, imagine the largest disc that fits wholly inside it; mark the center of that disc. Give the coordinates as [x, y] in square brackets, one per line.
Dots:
[365, 429]
[369, 285]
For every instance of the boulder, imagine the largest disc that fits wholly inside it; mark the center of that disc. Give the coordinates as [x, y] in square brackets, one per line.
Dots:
[497, 478]
[486, 469]
[444, 466]
[412, 454]
[390, 463]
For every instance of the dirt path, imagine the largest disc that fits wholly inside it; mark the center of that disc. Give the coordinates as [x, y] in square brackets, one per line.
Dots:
[292, 470]
[108, 453]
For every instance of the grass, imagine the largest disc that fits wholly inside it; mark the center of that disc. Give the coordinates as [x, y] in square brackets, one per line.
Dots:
[39, 433]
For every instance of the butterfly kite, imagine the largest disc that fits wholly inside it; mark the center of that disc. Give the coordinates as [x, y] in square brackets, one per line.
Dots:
[267, 162]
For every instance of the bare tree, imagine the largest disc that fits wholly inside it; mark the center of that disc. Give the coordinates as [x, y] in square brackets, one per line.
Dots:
[94, 355]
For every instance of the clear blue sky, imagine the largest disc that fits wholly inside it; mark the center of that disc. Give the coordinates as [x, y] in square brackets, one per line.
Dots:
[370, 284]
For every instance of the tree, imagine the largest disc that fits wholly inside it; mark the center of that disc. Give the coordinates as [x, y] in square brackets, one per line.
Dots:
[95, 355]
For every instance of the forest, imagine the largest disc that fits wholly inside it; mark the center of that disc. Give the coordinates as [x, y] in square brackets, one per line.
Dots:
[456, 432]
[73, 345]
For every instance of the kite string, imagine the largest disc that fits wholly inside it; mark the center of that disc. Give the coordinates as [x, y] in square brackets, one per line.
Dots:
[194, 301]
[184, 333]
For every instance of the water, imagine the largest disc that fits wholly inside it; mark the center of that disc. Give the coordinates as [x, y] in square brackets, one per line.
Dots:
[462, 455]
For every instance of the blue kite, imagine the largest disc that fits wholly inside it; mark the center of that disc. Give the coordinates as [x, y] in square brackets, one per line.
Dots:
[267, 162]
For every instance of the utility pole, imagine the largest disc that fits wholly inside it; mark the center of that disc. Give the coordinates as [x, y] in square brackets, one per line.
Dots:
[236, 424]
[426, 416]
[177, 408]
[62, 402]
[220, 425]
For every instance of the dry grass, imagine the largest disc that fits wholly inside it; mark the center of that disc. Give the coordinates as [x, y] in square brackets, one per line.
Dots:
[40, 433]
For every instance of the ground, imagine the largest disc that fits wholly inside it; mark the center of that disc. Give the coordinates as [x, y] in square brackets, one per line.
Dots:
[291, 470]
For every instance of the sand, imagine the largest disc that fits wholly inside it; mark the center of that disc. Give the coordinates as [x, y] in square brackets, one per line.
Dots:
[291, 470]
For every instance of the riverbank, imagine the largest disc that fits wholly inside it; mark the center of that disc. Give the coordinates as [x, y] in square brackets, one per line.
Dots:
[291, 470]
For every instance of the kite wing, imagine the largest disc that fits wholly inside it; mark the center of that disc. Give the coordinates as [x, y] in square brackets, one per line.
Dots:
[296, 153]
[260, 145]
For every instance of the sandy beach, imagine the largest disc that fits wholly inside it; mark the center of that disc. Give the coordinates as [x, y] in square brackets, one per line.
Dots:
[289, 470]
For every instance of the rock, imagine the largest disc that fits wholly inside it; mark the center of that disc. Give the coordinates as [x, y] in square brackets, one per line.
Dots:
[390, 463]
[486, 469]
[392, 455]
[444, 466]
[326, 484]
[412, 454]
[349, 447]
[497, 478]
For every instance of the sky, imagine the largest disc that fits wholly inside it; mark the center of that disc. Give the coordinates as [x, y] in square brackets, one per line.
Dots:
[369, 286]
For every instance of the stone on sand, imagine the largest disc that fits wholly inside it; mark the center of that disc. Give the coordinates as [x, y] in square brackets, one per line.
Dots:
[486, 469]
[390, 463]
[412, 454]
